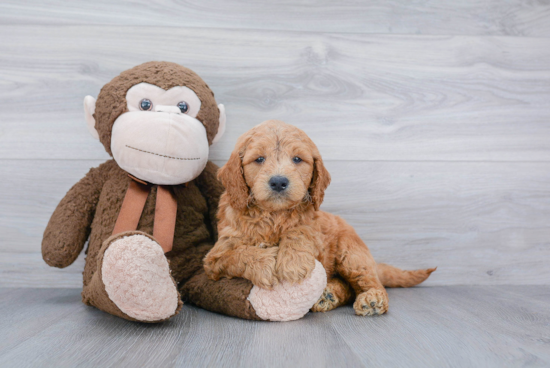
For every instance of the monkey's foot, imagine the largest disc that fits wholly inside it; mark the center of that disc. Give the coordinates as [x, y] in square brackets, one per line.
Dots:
[372, 302]
[287, 301]
[137, 278]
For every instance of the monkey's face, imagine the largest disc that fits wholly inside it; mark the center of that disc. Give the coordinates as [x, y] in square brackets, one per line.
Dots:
[160, 130]
[159, 139]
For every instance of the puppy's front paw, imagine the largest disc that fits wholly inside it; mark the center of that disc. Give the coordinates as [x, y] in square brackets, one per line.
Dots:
[262, 271]
[372, 302]
[212, 269]
[294, 266]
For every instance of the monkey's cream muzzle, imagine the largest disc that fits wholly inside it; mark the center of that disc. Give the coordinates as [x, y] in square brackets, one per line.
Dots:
[162, 147]
[158, 143]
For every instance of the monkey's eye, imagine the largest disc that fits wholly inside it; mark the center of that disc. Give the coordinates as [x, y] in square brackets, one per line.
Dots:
[183, 106]
[296, 160]
[260, 160]
[145, 104]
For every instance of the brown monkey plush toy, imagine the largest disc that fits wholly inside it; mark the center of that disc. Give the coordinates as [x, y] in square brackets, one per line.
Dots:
[149, 214]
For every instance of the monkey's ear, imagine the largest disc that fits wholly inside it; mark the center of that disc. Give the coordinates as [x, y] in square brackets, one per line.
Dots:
[89, 109]
[221, 126]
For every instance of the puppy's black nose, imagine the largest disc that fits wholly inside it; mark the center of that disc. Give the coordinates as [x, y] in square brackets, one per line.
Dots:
[278, 183]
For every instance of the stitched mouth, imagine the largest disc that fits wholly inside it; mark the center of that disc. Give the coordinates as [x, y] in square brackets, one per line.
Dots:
[158, 154]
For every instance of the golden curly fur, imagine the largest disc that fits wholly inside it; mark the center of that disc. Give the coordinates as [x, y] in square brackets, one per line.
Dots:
[271, 232]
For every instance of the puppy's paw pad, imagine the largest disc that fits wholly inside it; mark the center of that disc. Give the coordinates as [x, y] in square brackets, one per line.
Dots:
[372, 302]
[327, 302]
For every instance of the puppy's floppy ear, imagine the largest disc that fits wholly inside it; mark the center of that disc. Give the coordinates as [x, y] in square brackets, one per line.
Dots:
[319, 181]
[232, 178]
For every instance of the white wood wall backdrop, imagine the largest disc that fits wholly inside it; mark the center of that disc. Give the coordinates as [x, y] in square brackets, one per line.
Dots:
[433, 117]
[464, 17]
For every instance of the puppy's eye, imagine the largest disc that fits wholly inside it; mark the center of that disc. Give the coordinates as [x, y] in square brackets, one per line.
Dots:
[296, 160]
[183, 106]
[145, 104]
[260, 160]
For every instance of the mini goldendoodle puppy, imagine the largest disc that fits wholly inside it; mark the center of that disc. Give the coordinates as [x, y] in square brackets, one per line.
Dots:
[271, 229]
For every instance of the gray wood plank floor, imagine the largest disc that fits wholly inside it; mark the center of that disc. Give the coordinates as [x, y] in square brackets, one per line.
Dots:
[451, 326]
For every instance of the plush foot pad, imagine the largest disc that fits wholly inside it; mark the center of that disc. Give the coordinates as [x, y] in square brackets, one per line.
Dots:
[137, 279]
[327, 302]
[371, 303]
[288, 302]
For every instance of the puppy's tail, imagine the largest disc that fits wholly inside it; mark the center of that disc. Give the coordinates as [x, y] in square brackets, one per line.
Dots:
[391, 276]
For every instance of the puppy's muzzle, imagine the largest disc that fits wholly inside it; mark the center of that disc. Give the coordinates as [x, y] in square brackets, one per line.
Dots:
[278, 183]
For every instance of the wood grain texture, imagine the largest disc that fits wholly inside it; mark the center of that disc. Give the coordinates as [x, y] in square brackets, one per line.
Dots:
[360, 97]
[426, 326]
[433, 118]
[465, 17]
[480, 223]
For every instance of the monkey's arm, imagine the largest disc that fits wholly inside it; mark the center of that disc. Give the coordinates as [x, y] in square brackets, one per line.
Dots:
[211, 188]
[69, 226]
[231, 258]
